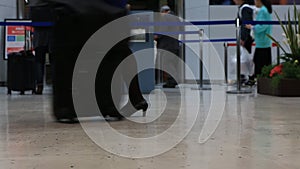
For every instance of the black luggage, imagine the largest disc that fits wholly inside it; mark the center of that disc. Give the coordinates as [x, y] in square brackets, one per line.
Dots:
[21, 72]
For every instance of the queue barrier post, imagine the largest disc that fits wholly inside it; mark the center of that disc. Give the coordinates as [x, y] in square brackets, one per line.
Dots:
[201, 87]
[226, 61]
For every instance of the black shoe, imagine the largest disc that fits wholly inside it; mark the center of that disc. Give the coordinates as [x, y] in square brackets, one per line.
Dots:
[128, 111]
[68, 120]
[65, 115]
[169, 86]
[243, 80]
[39, 89]
[250, 83]
[143, 105]
[113, 117]
[110, 111]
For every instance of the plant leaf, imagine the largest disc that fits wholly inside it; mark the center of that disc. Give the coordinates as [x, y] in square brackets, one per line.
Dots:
[277, 43]
[281, 24]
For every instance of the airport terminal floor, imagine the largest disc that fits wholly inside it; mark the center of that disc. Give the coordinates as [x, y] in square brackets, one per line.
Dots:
[250, 131]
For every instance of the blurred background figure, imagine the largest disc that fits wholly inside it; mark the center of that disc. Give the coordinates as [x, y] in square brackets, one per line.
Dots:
[42, 39]
[221, 2]
[245, 13]
[168, 44]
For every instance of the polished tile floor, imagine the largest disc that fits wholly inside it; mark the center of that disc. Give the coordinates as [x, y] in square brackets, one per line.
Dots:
[183, 128]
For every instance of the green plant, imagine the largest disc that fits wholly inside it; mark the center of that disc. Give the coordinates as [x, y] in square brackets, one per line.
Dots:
[290, 68]
[291, 32]
[265, 72]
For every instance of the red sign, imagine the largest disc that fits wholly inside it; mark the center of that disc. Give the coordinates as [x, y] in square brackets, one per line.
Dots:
[15, 30]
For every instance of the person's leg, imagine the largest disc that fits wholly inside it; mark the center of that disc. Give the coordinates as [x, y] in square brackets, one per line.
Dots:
[251, 80]
[40, 54]
[171, 65]
[175, 67]
[246, 67]
[64, 60]
[257, 62]
[135, 94]
[103, 84]
[137, 101]
[65, 49]
[262, 57]
[268, 57]
[158, 67]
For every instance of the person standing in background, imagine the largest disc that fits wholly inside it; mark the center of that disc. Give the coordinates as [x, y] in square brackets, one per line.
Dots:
[262, 54]
[168, 44]
[42, 39]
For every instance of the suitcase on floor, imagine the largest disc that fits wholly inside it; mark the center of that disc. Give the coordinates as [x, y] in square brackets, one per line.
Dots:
[21, 72]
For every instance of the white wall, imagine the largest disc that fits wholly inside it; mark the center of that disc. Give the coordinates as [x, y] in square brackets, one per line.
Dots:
[199, 10]
[195, 10]
[7, 10]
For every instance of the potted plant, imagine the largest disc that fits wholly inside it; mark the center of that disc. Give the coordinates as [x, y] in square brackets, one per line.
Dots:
[284, 79]
[280, 80]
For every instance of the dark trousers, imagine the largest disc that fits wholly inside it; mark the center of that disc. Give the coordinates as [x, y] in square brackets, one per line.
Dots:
[63, 63]
[105, 75]
[262, 57]
[166, 62]
[40, 57]
[70, 34]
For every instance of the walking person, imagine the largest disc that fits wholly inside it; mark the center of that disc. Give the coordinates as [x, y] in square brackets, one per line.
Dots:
[74, 25]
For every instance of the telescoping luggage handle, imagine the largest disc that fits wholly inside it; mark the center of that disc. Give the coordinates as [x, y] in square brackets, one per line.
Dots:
[28, 43]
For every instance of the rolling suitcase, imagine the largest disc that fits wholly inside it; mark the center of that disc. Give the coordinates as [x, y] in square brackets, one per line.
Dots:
[21, 72]
[21, 67]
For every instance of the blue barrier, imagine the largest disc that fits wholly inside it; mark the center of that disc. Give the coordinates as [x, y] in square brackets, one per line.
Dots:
[177, 33]
[222, 22]
[26, 23]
